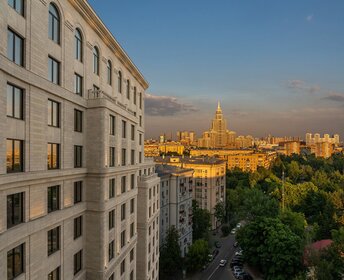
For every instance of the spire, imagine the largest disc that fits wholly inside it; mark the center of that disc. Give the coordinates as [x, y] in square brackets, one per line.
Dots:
[218, 106]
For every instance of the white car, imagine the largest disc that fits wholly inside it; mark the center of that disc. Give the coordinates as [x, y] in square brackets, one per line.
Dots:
[223, 262]
[233, 231]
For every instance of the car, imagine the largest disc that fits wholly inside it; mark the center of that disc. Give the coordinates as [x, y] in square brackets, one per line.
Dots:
[237, 269]
[239, 253]
[210, 257]
[217, 244]
[237, 263]
[247, 276]
[238, 225]
[239, 274]
[236, 244]
[215, 252]
[233, 231]
[223, 262]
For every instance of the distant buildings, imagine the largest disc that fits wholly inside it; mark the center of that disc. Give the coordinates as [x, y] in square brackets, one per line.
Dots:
[176, 188]
[310, 139]
[156, 149]
[322, 146]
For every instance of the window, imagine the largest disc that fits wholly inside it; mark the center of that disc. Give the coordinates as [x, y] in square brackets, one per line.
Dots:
[95, 89]
[122, 238]
[78, 45]
[132, 275]
[132, 157]
[15, 261]
[77, 120]
[15, 47]
[140, 157]
[140, 121]
[54, 275]
[15, 209]
[140, 100]
[140, 139]
[77, 156]
[96, 61]
[132, 181]
[53, 198]
[135, 95]
[78, 84]
[124, 129]
[123, 184]
[112, 187]
[112, 157]
[123, 212]
[132, 255]
[53, 113]
[53, 70]
[14, 156]
[112, 125]
[132, 132]
[54, 24]
[18, 5]
[77, 262]
[132, 205]
[119, 81]
[111, 219]
[53, 156]
[77, 192]
[124, 157]
[109, 72]
[128, 89]
[112, 277]
[122, 267]
[131, 230]
[53, 240]
[111, 250]
[14, 102]
[77, 227]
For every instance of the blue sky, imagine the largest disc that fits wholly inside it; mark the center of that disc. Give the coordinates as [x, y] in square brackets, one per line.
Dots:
[276, 66]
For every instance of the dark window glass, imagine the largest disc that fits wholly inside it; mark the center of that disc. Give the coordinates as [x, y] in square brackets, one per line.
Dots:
[53, 70]
[53, 158]
[132, 157]
[111, 219]
[135, 95]
[112, 277]
[131, 230]
[112, 157]
[14, 102]
[15, 209]
[109, 72]
[131, 255]
[140, 121]
[53, 113]
[132, 205]
[77, 227]
[77, 156]
[77, 262]
[140, 157]
[53, 240]
[78, 45]
[123, 212]
[18, 5]
[140, 100]
[14, 156]
[77, 120]
[122, 267]
[95, 88]
[112, 125]
[132, 275]
[15, 261]
[95, 61]
[132, 181]
[78, 84]
[53, 198]
[112, 187]
[128, 89]
[15, 47]
[119, 81]
[124, 129]
[132, 132]
[140, 139]
[54, 24]
[124, 157]
[54, 275]
[111, 250]
[77, 192]
[123, 184]
[122, 238]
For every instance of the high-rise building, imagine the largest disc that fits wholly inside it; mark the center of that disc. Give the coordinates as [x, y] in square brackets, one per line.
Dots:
[71, 144]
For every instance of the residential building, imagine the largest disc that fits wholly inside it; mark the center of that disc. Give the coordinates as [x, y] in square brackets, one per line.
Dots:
[148, 223]
[70, 152]
[291, 147]
[310, 140]
[176, 203]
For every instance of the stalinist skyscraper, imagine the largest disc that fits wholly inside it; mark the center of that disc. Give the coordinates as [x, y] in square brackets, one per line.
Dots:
[218, 136]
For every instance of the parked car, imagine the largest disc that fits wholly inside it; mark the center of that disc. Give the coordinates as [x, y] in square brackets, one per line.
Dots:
[236, 244]
[233, 231]
[215, 252]
[247, 276]
[223, 262]
[239, 274]
[236, 263]
[217, 244]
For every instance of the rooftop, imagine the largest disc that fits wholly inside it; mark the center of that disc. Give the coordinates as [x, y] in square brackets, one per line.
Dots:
[189, 160]
[164, 169]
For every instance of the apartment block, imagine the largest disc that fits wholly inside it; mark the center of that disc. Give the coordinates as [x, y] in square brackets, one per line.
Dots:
[71, 144]
[176, 203]
[148, 223]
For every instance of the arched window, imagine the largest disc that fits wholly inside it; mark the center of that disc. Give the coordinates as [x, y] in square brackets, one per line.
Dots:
[78, 45]
[135, 95]
[128, 89]
[109, 72]
[119, 81]
[95, 61]
[54, 24]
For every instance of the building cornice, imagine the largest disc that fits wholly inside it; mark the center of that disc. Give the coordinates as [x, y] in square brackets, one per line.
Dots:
[99, 27]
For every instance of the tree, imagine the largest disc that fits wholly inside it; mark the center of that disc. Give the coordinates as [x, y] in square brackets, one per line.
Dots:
[225, 230]
[220, 212]
[272, 246]
[198, 255]
[171, 261]
[200, 222]
[295, 221]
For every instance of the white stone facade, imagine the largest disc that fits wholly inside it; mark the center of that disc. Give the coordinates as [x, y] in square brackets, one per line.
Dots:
[95, 139]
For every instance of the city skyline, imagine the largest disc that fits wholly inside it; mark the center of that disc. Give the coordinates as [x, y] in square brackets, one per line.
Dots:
[289, 83]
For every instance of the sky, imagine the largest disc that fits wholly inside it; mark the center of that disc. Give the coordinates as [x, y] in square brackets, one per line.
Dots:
[277, 67]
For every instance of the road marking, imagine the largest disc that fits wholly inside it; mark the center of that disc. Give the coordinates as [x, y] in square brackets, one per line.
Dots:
[211, 275]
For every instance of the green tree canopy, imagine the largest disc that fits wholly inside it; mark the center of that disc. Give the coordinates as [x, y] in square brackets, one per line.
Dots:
[200, 222]
[198, 255]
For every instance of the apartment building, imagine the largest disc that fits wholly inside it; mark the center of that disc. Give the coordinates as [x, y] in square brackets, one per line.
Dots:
[148, 223]
[71, 144]
[176, 203]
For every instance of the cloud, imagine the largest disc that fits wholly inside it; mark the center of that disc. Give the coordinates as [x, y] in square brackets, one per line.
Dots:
[309, 17]
[302, 86]
[166, 106]
[335, 96]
